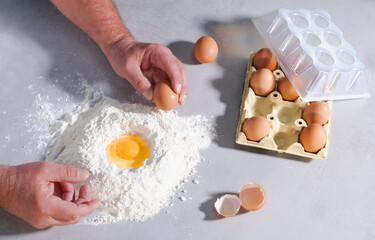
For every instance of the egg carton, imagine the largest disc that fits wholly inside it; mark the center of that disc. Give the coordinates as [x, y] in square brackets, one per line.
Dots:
[284, 116]
[312, 50]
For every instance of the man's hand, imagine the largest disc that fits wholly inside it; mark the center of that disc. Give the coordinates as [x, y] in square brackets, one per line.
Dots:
[140, 63]
[42, 193]
[144, 63]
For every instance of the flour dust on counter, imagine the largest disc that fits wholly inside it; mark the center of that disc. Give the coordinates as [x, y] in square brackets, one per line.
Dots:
[47, 107]
[80, 138]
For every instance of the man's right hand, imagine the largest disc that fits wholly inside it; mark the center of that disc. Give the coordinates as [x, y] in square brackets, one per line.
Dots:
[145, 63]
[140, 63]
[42, 193]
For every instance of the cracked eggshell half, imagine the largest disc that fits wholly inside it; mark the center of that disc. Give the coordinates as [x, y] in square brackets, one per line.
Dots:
[228, 205]
[252, 197]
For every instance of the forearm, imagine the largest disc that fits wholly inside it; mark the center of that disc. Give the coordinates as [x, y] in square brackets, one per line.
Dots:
[97, 18]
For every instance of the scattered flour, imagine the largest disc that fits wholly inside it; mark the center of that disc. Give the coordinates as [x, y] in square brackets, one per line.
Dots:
[44, 110]
[80, 139]
[182, 198]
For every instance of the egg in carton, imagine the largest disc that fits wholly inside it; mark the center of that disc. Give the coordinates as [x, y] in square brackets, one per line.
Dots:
[285, 118]
[311, 49]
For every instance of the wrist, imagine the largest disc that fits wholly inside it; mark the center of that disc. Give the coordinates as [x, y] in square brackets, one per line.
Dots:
[6, 177]
[125, 39]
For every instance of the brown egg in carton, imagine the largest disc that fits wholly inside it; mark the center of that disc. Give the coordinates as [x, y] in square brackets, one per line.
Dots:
[285, 118]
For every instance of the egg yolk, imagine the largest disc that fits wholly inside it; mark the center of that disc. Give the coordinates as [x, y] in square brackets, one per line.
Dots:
[128, 151]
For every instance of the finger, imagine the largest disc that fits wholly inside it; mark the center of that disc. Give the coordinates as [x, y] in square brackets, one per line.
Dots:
[159, 75]
[62, 173]
[57, 190]
[70, 211]
[57, 222]
[139, 81]
[166, 61]
[155, 75]
[84, 194]
[148, 74]
[184, 89]
[68, 191]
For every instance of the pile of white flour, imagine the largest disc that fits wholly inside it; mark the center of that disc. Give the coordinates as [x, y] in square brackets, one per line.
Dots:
[80, 139]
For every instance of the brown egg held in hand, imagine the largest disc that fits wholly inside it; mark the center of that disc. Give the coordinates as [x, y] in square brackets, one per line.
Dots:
[164, 97]
[313, 138]
[316, 112]
[205, 49]
[256, 128]
[264, 59]
[287, 90]
[262, 82]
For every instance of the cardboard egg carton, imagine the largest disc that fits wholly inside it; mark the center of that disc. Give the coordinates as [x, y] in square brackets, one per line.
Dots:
[284, 116]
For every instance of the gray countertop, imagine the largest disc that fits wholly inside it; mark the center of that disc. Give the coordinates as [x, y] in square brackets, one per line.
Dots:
[42, 52]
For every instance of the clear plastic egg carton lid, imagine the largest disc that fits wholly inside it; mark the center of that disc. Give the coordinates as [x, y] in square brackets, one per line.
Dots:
[314, 55]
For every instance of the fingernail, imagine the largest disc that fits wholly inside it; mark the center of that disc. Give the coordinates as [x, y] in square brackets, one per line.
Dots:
[178, 87]
[148, 93]
[83, 173]
[183, 99]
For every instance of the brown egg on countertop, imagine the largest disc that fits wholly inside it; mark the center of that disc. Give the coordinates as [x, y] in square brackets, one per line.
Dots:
[256, 128]
[287, 90]
[316, 112]
[206, 49]
[164, 96]
[264, 59]
[262, 82]
[313, 138]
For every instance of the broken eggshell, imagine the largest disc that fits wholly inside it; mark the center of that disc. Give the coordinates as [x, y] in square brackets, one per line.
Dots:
[228, 205]
[252, 197]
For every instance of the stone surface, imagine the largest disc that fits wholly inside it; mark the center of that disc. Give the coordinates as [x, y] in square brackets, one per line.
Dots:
[318, 199]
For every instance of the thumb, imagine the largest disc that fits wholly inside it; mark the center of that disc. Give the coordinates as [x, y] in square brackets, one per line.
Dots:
[63, 173]
[140, 82]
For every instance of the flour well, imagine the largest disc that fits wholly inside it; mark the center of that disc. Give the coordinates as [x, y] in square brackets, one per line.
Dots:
[80, 139]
